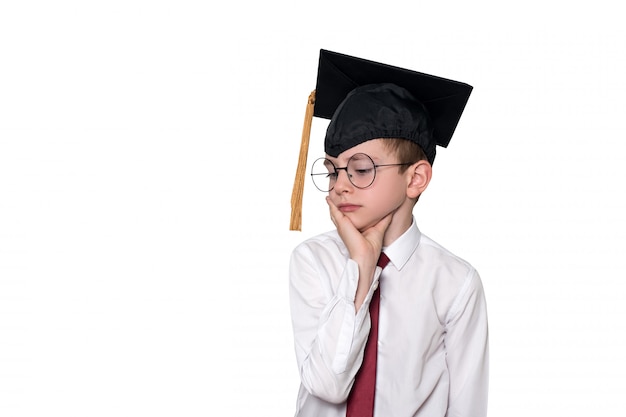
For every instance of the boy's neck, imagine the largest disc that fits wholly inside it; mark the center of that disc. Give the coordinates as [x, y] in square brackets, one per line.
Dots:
[399, 225]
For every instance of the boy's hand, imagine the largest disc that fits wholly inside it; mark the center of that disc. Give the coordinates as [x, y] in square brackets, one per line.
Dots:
[364, 247]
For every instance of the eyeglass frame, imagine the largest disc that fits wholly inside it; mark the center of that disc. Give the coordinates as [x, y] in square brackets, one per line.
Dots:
[337, 169]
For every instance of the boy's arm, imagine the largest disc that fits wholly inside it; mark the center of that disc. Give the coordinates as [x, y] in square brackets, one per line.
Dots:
[468, 351]
[329, 336]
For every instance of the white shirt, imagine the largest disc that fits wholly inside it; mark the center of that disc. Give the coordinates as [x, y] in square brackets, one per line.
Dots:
[433, 337]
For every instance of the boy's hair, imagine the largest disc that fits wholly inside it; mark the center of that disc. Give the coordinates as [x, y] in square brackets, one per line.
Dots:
[406, 151]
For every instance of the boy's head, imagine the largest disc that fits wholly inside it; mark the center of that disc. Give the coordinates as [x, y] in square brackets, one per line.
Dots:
[367, 101]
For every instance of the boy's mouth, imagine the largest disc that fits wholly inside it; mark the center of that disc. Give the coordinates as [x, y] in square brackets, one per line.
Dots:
[347, 208]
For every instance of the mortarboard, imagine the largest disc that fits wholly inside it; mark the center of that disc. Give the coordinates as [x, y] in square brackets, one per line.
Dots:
[368, 100]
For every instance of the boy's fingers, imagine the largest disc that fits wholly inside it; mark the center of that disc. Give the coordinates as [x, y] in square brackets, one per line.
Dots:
[333, 210]
[348, 233]
[384, 223]
[381, 227]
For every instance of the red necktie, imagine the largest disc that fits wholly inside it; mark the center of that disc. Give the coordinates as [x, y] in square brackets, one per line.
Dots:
[361, 398]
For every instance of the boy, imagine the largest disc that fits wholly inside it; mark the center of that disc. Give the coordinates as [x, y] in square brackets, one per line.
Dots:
[405, 337]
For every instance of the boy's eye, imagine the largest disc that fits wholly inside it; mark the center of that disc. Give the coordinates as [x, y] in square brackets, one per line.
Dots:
[361, 167]
[363, 171]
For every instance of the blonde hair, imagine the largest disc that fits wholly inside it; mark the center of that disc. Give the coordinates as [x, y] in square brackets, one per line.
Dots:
[406, 151]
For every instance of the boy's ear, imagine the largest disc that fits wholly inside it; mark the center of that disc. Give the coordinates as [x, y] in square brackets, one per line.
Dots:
[420, 174]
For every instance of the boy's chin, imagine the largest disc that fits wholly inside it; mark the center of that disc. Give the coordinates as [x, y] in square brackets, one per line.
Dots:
[364, 225]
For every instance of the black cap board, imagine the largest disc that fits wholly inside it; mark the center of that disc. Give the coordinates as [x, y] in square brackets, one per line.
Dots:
[339, 74]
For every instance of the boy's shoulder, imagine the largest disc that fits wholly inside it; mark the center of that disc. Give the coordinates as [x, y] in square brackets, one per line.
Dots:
[443, 263]
[326, 241]
[434, 247]
[419, 252]
[323, 251]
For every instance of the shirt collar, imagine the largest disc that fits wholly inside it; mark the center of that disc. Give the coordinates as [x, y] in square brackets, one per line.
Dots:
[403, 247]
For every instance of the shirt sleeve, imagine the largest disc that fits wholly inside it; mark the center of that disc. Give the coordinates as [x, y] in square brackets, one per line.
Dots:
[467, 351]
[329, 335]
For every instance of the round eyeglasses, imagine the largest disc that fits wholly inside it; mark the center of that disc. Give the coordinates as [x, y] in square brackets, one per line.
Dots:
[361, 171]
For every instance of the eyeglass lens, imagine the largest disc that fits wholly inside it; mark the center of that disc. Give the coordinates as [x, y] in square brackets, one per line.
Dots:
[360, 169]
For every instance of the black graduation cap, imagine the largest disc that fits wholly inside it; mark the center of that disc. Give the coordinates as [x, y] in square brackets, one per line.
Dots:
[367, 100]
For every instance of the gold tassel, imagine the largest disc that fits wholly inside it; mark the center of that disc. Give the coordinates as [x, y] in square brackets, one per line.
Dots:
[298, 183]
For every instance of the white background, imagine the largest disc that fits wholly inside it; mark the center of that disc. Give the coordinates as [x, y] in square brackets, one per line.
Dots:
[147, 154]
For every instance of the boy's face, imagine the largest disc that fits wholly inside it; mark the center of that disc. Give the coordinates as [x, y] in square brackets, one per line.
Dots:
[367, 206]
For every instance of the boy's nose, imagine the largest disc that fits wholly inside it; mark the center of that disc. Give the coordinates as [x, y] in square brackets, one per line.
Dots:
[343, 182]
